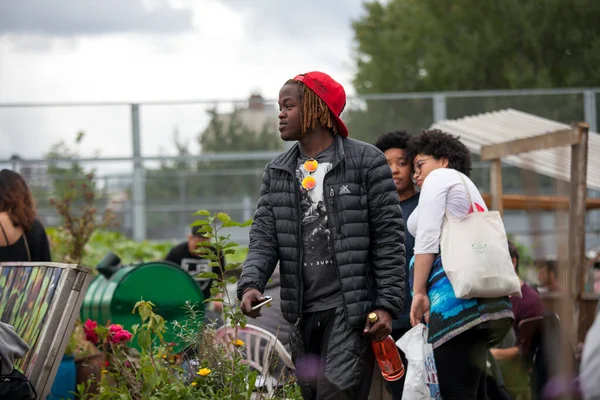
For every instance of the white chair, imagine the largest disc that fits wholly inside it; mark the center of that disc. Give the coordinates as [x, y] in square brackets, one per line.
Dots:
[259, 346]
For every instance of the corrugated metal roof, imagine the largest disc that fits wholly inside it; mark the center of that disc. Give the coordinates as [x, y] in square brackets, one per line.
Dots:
[506, 125]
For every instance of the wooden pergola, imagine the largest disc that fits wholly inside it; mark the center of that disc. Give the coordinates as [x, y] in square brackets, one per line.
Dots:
[536, 203]
[572, 256]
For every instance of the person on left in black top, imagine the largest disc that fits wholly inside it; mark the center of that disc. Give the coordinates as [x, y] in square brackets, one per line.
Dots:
[22, 236]
[187, 256]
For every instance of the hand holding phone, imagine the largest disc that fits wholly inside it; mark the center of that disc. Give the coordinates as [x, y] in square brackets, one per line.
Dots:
[250, 298]
[266, 300]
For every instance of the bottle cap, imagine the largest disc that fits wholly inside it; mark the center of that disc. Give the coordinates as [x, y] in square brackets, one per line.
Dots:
[373, 318]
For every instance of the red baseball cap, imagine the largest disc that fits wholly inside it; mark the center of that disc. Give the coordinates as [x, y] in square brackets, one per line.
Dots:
[331, 92]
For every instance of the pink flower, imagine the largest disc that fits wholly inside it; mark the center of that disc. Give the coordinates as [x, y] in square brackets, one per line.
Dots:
[90, 331]
[120, 336]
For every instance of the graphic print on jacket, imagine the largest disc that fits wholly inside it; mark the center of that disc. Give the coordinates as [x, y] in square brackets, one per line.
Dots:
[320, 280]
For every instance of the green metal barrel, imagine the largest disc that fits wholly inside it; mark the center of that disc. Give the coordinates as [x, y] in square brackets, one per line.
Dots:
[166, 285]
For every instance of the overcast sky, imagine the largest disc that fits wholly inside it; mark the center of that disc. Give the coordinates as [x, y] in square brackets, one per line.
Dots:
[140, 50]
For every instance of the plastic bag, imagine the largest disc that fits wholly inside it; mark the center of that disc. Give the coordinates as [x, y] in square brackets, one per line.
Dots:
[421, 382]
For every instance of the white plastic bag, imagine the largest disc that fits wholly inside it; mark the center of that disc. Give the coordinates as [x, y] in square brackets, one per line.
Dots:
[421, 382]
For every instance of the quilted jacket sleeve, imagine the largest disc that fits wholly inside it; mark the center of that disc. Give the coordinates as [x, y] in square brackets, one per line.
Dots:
[262, 253]
[387, 238]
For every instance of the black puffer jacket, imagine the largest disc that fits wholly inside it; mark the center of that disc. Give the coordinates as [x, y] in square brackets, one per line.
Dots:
[366, 226]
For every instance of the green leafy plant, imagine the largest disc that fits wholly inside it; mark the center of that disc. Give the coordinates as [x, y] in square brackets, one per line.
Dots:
[128, 374]
[130, 251]
[209, 368]
[103, 241]
[220, 246]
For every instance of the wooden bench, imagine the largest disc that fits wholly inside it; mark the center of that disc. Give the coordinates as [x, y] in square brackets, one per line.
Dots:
[42, 301]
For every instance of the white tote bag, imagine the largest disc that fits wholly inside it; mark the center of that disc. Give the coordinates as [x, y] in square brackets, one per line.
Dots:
[475, 254]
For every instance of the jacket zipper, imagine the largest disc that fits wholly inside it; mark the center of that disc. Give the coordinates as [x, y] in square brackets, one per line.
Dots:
[300, 255]
[334, 224]
[298, 246]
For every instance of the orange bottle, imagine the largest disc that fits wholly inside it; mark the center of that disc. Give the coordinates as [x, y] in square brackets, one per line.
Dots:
[387, 355]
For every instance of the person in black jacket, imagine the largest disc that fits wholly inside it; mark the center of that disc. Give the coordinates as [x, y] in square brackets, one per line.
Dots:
[329, 213]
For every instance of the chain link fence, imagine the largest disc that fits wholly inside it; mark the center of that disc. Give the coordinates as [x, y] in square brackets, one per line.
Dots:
[155, 192]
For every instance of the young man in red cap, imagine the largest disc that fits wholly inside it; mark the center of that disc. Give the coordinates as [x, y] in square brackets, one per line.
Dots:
[329, 213]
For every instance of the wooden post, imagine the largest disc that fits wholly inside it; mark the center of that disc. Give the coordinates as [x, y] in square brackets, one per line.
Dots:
[579, 161]
[496, 185]
[574, 273]
[577, 211]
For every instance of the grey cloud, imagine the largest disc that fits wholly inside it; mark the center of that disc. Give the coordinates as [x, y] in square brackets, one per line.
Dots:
[313, 29]
[310, 20]
[18, 135]
[65, 18]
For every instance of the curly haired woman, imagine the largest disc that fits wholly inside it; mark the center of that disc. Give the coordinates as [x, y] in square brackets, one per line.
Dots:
[460, 331]
[22, 236]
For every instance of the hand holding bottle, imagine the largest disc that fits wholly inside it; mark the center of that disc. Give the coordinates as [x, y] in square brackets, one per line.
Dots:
[386, 353]
[380, 326]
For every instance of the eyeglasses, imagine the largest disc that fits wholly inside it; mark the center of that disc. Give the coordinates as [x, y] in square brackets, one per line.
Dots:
[417, 166]
[310, 166]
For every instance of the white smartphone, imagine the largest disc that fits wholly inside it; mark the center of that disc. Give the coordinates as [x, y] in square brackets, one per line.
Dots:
[267, 300]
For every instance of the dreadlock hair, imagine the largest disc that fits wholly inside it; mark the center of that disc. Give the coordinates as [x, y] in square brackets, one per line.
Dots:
[314, 111]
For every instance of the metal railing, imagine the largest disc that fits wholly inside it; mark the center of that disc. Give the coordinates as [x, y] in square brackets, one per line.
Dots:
[147, 212]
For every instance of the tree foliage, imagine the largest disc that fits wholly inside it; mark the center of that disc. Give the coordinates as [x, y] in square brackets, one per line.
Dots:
[428, 45]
